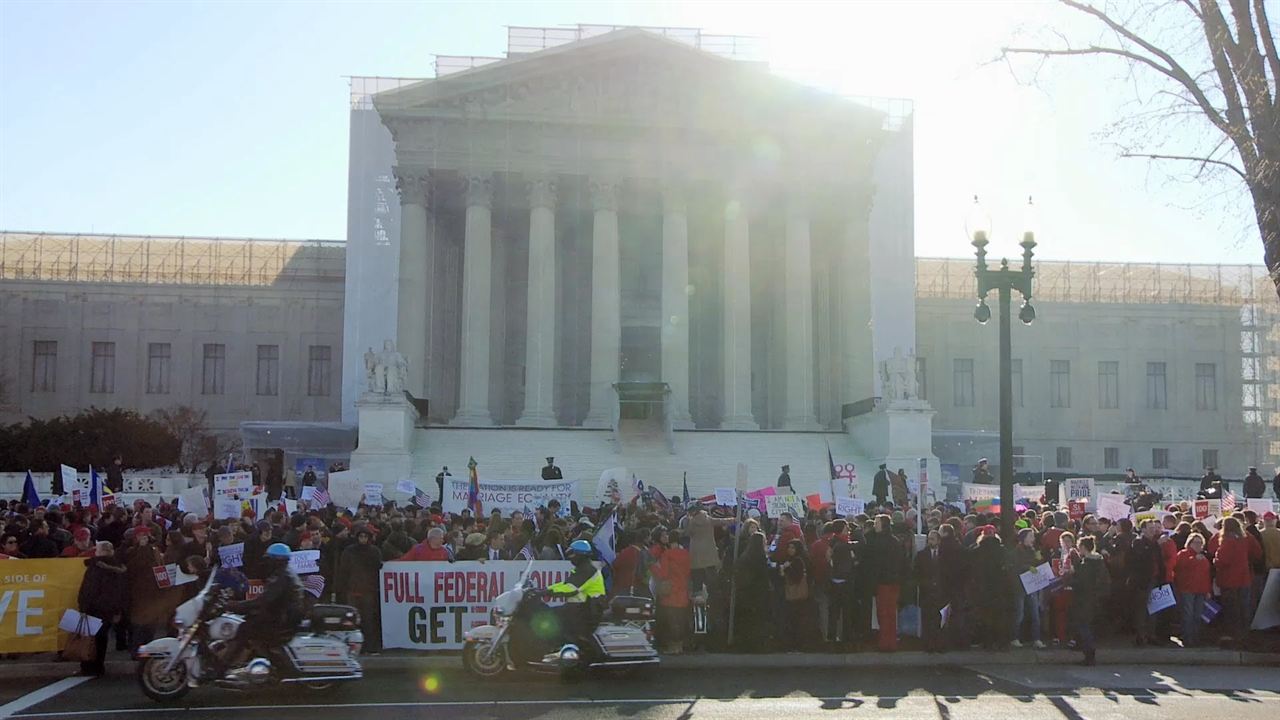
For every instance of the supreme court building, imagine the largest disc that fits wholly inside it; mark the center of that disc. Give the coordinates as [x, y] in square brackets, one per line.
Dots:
[636, 243]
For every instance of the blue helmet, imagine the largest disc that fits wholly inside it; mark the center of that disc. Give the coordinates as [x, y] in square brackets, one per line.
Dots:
[279, 551]
[579, 549]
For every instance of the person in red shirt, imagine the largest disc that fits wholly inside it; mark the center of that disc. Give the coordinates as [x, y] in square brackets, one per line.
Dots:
[820, 569]
[1232, 559]
[627, 578]
[788, 530]
[430, 549]
[671, 578]
[80, 546]
[1192, 581]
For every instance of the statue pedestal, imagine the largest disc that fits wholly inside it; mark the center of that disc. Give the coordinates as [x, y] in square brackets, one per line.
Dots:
[898, 433]
[385, 451]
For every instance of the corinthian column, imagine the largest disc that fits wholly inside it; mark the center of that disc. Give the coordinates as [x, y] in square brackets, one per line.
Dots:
[798, 300]
[411, 296]
[737, 320]
[477, 262]
[540, 329]
[606, 302]
[675, 302]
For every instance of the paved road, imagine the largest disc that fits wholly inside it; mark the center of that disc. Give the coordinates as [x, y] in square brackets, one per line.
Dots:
[973, 693]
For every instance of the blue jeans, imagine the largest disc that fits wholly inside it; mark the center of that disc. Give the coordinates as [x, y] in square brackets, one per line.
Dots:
[1027, 604]
[1192, 607]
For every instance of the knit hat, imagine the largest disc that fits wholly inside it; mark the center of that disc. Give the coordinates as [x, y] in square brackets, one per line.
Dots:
[475, 540]
[141, 530]
[987, 530]
[1268, 515]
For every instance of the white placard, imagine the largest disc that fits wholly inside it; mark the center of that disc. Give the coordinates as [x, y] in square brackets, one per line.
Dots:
[345, 488]
[71, 479]
[614, 486]
[225, 508]
[1268, 613]
[309, 493]
[1077, 489]
[193, 500]
[972, 491]
[509, 495]
[1260, 505]
[303, 562]
[1112, 507]
[70, 622]
[407, 487]
[726, 497]
[1160, 599]
[775, 505]
[232, 556]
[373, 493]
[1038, 578]
[237, 485]
[849, 507]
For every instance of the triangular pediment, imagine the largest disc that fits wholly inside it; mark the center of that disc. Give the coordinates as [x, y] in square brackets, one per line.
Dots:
[629, 76]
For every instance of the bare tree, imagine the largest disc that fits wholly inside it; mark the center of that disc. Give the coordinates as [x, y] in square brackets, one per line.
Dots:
[1208, 66]
[199, 444]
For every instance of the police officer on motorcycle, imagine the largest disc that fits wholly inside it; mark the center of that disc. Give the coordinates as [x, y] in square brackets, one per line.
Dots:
[583, 592]
[272, 617]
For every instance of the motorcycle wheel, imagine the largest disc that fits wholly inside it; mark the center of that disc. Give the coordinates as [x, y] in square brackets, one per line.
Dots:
[159, 685]
[477, 664]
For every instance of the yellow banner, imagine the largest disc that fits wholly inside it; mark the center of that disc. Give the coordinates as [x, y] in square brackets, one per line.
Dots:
[33, 596]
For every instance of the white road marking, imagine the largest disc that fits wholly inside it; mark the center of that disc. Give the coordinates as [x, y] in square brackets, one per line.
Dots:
[803, 702]
[36, 697]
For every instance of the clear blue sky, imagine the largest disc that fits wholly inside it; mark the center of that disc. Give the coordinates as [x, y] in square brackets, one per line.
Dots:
[230, 118]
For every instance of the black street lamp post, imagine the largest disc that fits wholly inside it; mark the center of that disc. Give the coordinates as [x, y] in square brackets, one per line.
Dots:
[1004, 281]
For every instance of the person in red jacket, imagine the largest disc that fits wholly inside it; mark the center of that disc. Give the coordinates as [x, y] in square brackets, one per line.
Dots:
[820, 569]
[671, 580]
[1191, 578]
[1235, 552]
[80, 547]
[627, 577]
[430, 549]
[788, 530]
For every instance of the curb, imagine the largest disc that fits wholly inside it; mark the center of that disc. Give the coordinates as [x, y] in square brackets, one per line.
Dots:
[773, 661]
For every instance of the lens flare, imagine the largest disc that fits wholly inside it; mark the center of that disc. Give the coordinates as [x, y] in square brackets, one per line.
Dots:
[431, 683]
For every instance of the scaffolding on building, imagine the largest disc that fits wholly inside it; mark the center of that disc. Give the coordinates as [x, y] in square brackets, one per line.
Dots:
[158, 260]
[1248, 288]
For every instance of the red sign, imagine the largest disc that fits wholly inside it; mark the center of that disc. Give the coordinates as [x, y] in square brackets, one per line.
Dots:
[1076, 509]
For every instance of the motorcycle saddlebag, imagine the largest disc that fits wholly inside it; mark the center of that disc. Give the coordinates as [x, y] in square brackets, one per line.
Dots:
[327, 618]
[630, 607]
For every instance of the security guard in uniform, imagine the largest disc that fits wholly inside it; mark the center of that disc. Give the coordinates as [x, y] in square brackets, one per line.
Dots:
[583, 592]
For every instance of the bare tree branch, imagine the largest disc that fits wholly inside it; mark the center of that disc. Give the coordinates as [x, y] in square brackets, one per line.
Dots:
[1189, 158]
[1269, 44]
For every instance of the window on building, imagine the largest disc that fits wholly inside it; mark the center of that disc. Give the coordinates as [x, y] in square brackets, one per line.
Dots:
[1108, 384]
[159, 368]
[1209, 458]
[1111, 458]
[1019, 456]
[1060, 383]
[1160, 458]
[1064, 457]
[214, 370]
[268, 370]
[319, 362]
[923, 376]
[962, 382]
[1015, 376]
[44, 366]
[102, 368]
[1206, 386]
[1157, 391]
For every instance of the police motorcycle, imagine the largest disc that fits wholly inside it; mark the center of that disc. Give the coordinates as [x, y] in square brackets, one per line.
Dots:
[321, 653]
[525, 633]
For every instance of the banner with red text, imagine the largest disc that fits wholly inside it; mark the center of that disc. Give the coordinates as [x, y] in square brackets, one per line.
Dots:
[428, 605]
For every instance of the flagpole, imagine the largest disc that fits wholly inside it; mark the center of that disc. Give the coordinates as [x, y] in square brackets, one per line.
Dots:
[733, 571]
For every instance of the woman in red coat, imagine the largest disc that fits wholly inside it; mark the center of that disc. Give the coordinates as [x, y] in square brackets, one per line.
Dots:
[671, 582]
[1191, 578]
[1232, 560]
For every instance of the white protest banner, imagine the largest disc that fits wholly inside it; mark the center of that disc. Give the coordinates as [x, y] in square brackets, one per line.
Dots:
[1268, 613]
[971, 491]
[345, 488]
[1077, 489]
[429, 605]
[407, 487]
[849, 507]
[612, 487]
[225, 508]
[775, 505]
[509, 495]
[305, 561]
[71, 479]
[290, 506]
[1028, 492]
[1038, 578]
[193, 500]
[1112, 507]
[1202, 509]
[233, 485]
[726, 497]
[1260, 505]
[232, 555]
[1160, 598]
[373, 493]
[309, 493]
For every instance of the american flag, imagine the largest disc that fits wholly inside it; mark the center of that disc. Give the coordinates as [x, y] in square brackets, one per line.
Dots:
[420, 498]
[313, 584]
[526, 552]
[320, 498]
[1228, 503]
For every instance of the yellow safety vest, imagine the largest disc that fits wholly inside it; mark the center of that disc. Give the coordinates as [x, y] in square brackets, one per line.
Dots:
[593, 587]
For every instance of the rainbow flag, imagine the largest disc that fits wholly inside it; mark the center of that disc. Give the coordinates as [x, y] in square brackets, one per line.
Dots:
[473, 490]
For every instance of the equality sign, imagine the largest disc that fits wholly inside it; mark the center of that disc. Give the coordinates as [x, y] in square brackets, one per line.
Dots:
[850, 507]
[509, 495]
[33, 596]
[429, 605]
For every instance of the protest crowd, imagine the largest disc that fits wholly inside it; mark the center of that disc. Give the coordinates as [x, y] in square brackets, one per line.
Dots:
[723, 578]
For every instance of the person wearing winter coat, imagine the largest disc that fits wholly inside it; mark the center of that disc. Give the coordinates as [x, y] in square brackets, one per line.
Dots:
[1145, 572]
[358, 573]
[670, 573]
[1025, 557]
[989, 588]
[1090, 585]
[1232, 557]
[886, 558]
[1192, 580]
[797, 594]
[931, 580]
[149, 614]
[104, 594]
[751, 594]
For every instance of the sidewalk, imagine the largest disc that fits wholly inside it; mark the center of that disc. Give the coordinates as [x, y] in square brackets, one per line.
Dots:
[119, 664]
